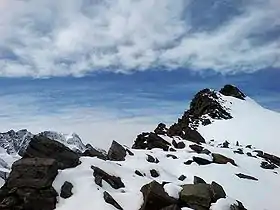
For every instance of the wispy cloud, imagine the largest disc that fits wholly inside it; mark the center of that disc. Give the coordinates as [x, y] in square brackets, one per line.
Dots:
[57, 38]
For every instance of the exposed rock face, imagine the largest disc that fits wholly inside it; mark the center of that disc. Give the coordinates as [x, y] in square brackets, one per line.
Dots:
[43, 147]
[155, 198]
[100, 175]
[66, 190]
[29, 185]
[116, 152]
[230, 90]
[161, 129]
[109, 199]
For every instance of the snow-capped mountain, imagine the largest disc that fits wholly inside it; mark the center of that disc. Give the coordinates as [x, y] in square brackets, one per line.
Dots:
[222, 154]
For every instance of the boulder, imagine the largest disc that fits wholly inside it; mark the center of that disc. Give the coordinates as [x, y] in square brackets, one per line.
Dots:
[138, 173]
[155, 197]
[221, 159]
[113, 181]
[217, 192]
[268, 157]
[198, 180]
[244, 176]
[151, 159]
[225, 144]
[154, 173]
[172, 156]
[230, 90]
[196, 148]
[66, 190]
[92, 152]
[43, 147]
[29, 185]
[182, 177]
[109, 199]
[116, 152]
[201, 161]
[266, 165]
[239, 151]
[150, 141]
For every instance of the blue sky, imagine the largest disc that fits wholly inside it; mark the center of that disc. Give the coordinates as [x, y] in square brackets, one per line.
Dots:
[110, 69]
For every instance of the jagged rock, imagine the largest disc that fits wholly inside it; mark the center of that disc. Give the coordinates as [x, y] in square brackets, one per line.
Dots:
[230, 90]
[92, 152]
[100, 175]
[116, 152]
[198, 180]
[185, 133]
[268, 157]
[109, 199]
[266, 165]
[42, 147]
[172, 156]
[239, 151]
[196, 195]
[225, 144]
[154, 173]
[188, 162]
[196, 148]
[150, 141]
[244, 176]
[201, 161]
[182, 178]
[138, 173]
[161, 129]
[151, 159]
[237, 206]
[172, 207]
[217, 192]
[155, 197]
[221, 159]
[66, 190]
[29, 185]
[249, 146]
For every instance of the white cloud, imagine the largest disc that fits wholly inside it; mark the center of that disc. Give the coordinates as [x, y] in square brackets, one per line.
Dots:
[51, 38]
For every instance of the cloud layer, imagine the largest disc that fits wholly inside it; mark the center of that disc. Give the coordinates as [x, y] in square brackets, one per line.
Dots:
[69, 37]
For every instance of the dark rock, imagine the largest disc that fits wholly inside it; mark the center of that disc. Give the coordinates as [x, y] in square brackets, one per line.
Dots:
[182, 178]
[116, 152]
[151, 159]
[217, 192]
[172, 156]
[239, 151]
[196, 148]
[205, 122]
[230, 90]
[161, 129]
[172, 207]
[109, 199]
[205, 151]
[150, 141]
[188, 162]
[266, 165]
[196, 195]
[129, 152]
[238, 206]
[268, 157]
[172, 149]
[201, 161]
[114, 181]
[92, 152]
[221, 159]
[138, 173]
[225, 144]
[155, 197]
[249, 146]
[249, 154]
[4, 175]
[154, 173]
[244, 176]
[66, 190]
[198, 180]
[237, 143]
[181, 145]
[42, 147]
[29, 185]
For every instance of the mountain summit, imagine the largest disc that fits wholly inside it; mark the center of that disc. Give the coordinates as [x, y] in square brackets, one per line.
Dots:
[222, 154]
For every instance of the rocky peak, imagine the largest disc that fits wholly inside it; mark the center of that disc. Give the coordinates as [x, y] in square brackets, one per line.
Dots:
[231, 90]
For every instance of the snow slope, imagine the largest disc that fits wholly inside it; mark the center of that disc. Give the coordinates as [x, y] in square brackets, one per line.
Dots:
[251, 124]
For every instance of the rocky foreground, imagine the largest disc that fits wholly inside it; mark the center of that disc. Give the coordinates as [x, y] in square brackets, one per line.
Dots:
[171, 168]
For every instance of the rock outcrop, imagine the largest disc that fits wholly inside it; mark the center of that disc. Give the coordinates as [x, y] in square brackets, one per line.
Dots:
[230, 90]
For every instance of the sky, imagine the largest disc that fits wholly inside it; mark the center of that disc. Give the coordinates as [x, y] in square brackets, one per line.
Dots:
[109, 69]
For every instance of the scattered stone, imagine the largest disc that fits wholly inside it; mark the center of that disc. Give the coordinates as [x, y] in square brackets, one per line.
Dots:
[138, 173]
[181, 145]
[205, 122]
[239, 151]
[109, 199]
[230, 90]
[237, 206]
[266, 165]
[155, 197]
[249, 146]
[188, 162]
[66, 190]
[172, 156]
[196, 195]
[201, 161]
[154, 173]
[249, 154]
[221, 159]
[225, 144]
[244, 176]
[198, 180]
[100, 175]
[182, 178]
[196, 148]
[161, 129]
[217, 192]
[43, 147]
[29, 185]
[116, 152]
[151, 159]
[268, 157]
